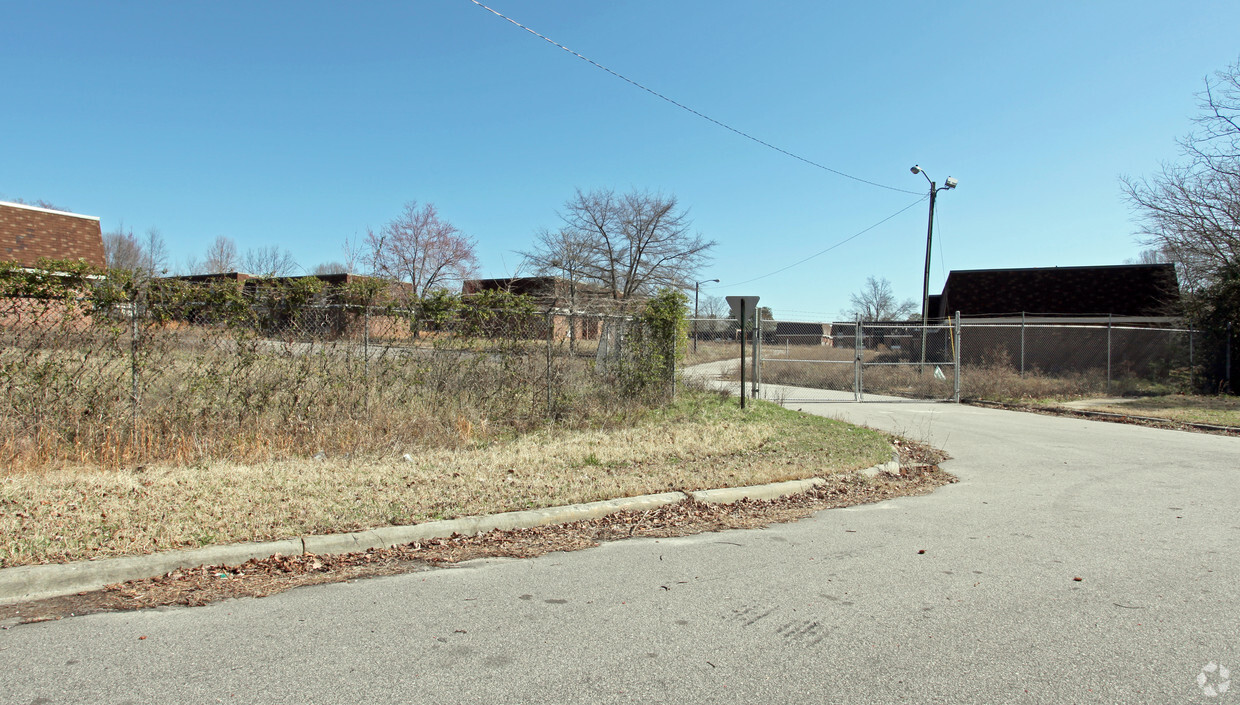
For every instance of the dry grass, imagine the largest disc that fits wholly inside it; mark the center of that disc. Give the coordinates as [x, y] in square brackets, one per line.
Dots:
[714, 351]
[268, 576]
[1217, 411]
[250, 400]
[701, 442]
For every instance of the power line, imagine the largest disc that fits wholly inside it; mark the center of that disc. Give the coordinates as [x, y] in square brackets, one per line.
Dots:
[850, 238]
[682, 106]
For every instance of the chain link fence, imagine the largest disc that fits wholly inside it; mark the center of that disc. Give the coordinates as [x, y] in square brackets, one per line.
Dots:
[857, 361]
[249, 378]
[996, 359]
[1019, 360]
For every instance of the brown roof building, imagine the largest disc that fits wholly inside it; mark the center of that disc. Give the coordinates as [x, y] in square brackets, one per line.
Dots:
[28, 233]
[1120, 290]
[552, 292]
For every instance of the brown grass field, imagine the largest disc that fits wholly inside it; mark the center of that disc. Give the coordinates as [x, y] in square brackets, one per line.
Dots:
[703, 441]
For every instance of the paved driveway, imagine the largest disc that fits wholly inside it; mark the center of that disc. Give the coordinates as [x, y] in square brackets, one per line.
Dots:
[840, 608]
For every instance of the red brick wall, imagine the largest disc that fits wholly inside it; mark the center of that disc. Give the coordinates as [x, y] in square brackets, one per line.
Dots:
[27, 233]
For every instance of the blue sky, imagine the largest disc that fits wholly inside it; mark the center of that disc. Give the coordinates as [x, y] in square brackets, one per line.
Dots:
[302, 124]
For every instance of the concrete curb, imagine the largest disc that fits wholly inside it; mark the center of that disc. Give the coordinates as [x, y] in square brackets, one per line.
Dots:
[1071, 411]
[35, 582]
[775, 490]
[390, 536]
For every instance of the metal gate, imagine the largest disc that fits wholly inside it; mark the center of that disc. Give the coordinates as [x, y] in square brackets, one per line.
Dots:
[859, 361]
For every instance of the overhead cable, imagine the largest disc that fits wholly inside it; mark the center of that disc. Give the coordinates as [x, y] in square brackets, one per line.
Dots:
[838, 244]
[682, 106]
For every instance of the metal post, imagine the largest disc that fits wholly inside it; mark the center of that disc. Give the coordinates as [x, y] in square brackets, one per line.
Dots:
[757, 348]
[1192, 381]
[925, 283]
[1227, 356]
[133, 360]
[366, 351]
[1022, 343]
[757, 375]
[695, 314]
[956, 354]
[672, 367]
[550, 339]
[1108, 353]
[858, 350]
[742, 321]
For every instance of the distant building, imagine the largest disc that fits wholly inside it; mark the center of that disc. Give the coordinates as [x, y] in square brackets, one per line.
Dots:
[1147, 290]
[574, 308]
[797, 333]
[1075, 309]
[28, 233]
[333, 283]
[547, 292]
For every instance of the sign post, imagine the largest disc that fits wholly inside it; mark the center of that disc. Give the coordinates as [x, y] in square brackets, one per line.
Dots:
[741, 307]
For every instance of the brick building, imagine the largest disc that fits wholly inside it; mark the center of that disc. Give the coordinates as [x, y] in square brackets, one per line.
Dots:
[28, 233]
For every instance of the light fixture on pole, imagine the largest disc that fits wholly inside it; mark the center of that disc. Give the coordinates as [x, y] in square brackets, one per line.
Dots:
[949, 184]
[695, 308]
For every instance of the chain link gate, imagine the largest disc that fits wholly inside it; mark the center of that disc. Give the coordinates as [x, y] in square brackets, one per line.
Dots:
[859, 361]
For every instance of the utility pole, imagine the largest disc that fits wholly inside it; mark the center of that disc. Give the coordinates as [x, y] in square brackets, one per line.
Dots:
[695, 309]
[925, 282]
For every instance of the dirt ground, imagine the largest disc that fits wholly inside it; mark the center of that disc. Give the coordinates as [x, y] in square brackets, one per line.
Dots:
[920, 474]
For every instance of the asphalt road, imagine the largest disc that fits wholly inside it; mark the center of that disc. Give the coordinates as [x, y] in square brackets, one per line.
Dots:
[840, 608]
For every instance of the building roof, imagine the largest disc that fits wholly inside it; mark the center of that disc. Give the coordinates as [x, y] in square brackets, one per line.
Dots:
[251, 280]
[801, 328]
[550, 291]
[29, 233]
[1118, 290]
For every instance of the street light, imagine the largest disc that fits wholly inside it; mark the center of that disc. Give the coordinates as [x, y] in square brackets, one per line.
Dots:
[695, 308]
[949, 184]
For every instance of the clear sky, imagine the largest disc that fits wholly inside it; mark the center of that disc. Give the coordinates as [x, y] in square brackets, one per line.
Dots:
[300, 124]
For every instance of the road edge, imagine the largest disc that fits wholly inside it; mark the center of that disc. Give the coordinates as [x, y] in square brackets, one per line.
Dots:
[37, 582]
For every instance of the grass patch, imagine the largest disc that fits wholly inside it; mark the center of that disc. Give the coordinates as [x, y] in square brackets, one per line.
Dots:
[1218, 411]
[702, 441]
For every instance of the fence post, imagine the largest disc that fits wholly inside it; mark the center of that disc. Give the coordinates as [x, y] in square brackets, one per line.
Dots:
[1227, 357]
[366, 352]
[757, 350]
[858, 349]
[956, 351]
[133, 370]
[1108, 353]
[549, 322]
[672, 379]
[1022, 343]
[1192, 377]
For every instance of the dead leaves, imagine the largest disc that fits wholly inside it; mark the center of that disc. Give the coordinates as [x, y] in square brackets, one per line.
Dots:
[261, 577]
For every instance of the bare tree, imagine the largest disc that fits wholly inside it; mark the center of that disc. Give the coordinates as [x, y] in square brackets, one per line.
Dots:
[713, 307]
[562, 253]
[421, 248]
[122, 251]
[330, 268]
[354, 254]
[1149, 256]
[269, 261]
[221, 257]
[1190, 210]
[629, 244]
[154, 252]
[40, 203]
[877, 302]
